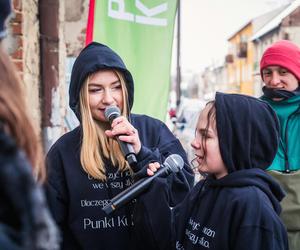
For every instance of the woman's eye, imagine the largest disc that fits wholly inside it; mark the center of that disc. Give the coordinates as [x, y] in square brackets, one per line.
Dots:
[116, 87]
[95, 90]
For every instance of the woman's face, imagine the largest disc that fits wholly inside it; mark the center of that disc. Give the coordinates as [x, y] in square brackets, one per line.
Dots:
[206, 146]
[104, 90]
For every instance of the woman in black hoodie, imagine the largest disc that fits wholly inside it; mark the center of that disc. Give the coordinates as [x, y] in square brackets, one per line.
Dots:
[86, 168]
[237, 205]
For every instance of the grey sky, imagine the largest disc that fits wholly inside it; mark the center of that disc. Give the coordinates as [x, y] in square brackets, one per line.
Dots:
[207, 24]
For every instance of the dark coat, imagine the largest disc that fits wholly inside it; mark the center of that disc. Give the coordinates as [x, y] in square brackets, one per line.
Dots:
[25, 222]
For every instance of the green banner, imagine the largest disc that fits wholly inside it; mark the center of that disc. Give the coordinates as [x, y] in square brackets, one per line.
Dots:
[141, 32]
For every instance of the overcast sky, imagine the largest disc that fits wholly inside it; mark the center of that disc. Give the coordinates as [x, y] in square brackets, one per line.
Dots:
[207, 24]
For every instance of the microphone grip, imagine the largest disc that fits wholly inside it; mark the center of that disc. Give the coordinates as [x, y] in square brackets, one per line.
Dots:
[128, 152]
[112, 113]
[133, 191]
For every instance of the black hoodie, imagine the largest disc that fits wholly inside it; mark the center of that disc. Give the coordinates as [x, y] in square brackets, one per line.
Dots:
[239, 211]
[76, 200]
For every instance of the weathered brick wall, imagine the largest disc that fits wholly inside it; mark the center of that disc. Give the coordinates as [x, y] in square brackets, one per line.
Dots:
[31, 57]
[75, 25]
[16, 39]
[52, 45]
[23, 44]
[23, 47]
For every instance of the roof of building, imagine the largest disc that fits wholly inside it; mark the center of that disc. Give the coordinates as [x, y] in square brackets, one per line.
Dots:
[276, 21]
[259, 21]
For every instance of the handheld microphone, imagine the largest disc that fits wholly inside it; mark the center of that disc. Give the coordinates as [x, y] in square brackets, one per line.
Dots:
[172, 164]
[111, 113]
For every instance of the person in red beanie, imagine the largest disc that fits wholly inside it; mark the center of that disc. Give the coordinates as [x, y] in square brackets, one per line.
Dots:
[280, 72]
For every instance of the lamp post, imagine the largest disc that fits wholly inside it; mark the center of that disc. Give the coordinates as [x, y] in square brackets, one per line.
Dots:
[178, 75]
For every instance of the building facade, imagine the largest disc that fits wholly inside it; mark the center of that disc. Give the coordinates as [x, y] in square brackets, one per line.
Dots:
[44, 38]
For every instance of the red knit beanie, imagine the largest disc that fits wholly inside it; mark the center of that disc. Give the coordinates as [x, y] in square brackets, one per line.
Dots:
[282, 53]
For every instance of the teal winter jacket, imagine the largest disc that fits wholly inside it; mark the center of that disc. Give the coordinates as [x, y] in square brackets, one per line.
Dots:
[288, 154]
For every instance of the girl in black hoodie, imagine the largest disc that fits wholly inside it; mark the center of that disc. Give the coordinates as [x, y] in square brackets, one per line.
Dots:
[237, 205]
[86, 168]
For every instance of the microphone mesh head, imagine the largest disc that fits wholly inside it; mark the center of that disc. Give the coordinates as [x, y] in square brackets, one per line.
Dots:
[111, 111]
[174, 163]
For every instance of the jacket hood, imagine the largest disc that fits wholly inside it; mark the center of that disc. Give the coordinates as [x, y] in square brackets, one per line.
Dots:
[253, 177]
[92, 58]
[248, 131]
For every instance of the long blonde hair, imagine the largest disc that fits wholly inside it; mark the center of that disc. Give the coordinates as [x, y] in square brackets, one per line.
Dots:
[15, 118]
[95, 144]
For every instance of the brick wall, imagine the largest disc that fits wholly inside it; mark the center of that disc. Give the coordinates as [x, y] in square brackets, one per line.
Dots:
[23, 45]
[16, 30]
[75, 25]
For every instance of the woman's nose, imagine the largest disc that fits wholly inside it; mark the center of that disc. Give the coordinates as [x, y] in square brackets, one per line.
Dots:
[107, 97]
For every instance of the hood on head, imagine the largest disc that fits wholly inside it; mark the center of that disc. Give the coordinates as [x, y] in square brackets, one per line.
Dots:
[248, 131]
[92, 58]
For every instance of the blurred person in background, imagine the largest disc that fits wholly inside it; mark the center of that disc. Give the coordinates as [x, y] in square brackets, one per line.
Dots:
[25, 221]
[86, 167]
[280, 72]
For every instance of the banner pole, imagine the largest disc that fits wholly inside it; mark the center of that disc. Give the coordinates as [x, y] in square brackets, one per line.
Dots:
[178, 78]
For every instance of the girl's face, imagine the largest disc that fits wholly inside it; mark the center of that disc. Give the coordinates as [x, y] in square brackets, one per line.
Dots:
[104, 90]
[206, 146]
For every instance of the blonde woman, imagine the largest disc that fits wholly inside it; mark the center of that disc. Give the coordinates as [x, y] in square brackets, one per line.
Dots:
[86, 166]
